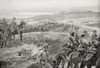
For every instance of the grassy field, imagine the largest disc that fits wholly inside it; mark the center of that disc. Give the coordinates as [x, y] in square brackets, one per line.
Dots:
[34, 41]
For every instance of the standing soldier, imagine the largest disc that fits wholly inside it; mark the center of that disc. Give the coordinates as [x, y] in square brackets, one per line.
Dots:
[44, 57]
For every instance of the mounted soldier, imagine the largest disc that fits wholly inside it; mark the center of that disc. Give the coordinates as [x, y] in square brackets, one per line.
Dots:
[14, 27]
[21, 29]
[3, 32]
[73, 41]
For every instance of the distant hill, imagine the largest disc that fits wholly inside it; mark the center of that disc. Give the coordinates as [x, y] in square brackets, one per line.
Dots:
[94, 25]
[67, 15]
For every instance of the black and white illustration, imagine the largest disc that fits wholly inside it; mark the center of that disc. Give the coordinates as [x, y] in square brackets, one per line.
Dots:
[49, 34]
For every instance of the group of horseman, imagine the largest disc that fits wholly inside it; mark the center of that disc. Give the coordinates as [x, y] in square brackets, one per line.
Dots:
[84, 49]
[9, 30]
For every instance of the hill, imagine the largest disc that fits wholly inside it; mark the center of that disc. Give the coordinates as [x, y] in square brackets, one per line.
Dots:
[63, 15]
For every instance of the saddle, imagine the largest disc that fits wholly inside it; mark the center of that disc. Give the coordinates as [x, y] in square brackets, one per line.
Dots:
[74, 54]
[88, 56]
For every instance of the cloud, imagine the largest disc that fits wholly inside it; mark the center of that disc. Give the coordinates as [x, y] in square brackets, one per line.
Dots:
[33, 4]
[8, 7]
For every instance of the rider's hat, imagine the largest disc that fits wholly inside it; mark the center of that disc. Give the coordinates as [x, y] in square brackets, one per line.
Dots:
[85, 31]
[45, 45]
[72, 33]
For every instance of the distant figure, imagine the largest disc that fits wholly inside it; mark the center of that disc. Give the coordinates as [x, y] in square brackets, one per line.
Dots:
[21, 29]
[4, 21]
[94, 35]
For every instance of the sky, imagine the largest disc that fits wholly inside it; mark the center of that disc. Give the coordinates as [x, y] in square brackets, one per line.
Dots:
[21, 7]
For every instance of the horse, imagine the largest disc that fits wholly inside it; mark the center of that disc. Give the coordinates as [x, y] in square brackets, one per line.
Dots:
[39, 65]
[5, 36]
[98, 63]
[90, 58]
[62, 57]
[35, 65]
[98, 60]
[13, 33]
[75, 57]
[5, 64]
[90, 62]
[65, 54]
[21, 29]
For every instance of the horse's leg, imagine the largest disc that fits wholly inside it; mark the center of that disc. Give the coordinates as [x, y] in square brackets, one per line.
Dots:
[76, 65]
[6, 39]
[21, 37]
[9, 37]
[82, 65]
[98, 63]
[1, 44]
[68, 65]
[14, 36]
[4, 43]
[71, 64]
[63, 64]
[98, 66]
[89, 65]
